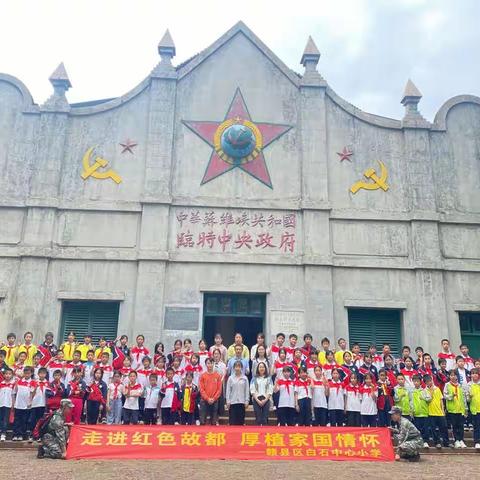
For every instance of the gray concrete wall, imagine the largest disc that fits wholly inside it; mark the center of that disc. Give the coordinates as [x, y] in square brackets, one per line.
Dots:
[415, 247]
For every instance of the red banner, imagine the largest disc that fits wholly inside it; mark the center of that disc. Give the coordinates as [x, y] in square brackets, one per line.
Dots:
[237, 443]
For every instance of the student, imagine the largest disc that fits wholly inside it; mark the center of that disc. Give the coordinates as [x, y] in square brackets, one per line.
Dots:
[107, 369]
[408, 372]
[456, 408]
[23, 403]
[368, 407]
[133, 391]
[218, 344]
[311, 363]
[420, 400]
[261, 389]
[3, 365]
[56, 391]
[285, 386]
[75, 363]
[437, 423]
[195, 367]
[260, 343]
[7, 392]
[75, 392]
[36, 364]
[187, 350]
[188, 399]
[447, 355]
[102, 348]
[238, 357]
[464, 352]
[115, 391]
[119, 351]
[202, 353]
[144, 372]
[368, 367]
[419, 360]
[237, 394]
[442, 376]
[170, 393]
[10, 349]
[377, 359]
[178, 372]
[85, 347]
[96, 398]
[19, 367]
[357, 357]
[57, 364]
[152, 398]
[330, 365]
[390, 369]
[384, 399]
[220, 367]
[210, 384]
[342, 349]
[138, 352]
[406, 353]
[428, 367]
[69, 347]
[348, 366]
[159, 352]
[238, 341]
[297, 362]
[474, 399]
[322, 355]
[39, 399]
[275, 348]
[280, 363]
[292, 346]
[125, 370]
[353, 401]
[319, 397]
[176, 352]
[336, 399]
[260, 357]
[308, 347]
[303, 398]
[88, 367]
[463, 374]
[160, 369]
[402, 397]
[28, 347]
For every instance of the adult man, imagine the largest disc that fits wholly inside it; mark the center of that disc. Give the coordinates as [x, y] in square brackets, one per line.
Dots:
[237, 356]
[54, 442]
[210, 385]
[408, 438]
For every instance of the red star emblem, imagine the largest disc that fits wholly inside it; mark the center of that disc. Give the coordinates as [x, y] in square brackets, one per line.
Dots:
[128, 146]
[253, 162]
[345, 154]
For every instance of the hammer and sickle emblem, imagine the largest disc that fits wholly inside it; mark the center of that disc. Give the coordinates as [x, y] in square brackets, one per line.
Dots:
[378, 182]
[91, 169]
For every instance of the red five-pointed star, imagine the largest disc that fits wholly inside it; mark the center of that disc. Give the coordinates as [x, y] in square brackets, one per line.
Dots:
[345, 154]
[128, 145]
[253, 164]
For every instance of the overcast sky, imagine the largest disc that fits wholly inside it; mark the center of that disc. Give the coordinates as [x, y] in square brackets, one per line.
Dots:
[369, 47]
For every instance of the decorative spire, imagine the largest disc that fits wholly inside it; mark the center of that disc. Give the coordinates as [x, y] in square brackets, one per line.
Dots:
[61, 83]
[310, 59]
[166, 48]
[410, 100]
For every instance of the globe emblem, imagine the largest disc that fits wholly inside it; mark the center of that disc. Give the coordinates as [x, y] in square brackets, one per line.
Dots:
[238, 141]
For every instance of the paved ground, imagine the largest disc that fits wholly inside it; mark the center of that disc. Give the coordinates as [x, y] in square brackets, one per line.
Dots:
[26, 466]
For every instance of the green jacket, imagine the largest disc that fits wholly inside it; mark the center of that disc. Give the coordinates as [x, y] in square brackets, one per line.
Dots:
[455, 398]
[420, 399]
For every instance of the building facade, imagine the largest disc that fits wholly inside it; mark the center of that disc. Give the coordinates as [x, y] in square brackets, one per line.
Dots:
[230, 193]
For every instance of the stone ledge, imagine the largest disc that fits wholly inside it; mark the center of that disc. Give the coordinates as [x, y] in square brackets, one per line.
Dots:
[84, 295]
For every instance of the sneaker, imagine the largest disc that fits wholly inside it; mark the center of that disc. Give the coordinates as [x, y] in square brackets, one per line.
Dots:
[30, 440]
[197, 423]
[3, 438]
[456, 444]
[438, 446]
[462, 444]
[426, 445]
[40, 453]
[477, 446]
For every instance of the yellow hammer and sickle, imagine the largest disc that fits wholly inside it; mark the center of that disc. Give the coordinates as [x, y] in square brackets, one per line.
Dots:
[91, 170]
[378, 182]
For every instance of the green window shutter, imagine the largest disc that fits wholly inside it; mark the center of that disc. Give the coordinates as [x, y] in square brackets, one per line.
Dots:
[366, 326]
[100, 319]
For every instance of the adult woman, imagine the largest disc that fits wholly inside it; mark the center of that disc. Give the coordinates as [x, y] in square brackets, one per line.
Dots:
[54, 441]
[261, 388]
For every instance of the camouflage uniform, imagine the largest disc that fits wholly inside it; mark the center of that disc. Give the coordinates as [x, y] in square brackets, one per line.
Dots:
[409, 439]
[54, 442]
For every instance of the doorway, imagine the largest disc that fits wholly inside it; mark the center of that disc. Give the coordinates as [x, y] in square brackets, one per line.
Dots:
[228, 313]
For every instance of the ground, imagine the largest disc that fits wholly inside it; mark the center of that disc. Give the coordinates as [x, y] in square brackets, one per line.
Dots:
[430, 467]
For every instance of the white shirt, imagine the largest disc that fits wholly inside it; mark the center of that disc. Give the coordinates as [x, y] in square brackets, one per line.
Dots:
[336, 400]
[116, 391]
[6, 393]
[131, 403]
[287, 395]
[303, 389]
[353, 399]
[143, 377]
[24, 389]
[369, 403]
[169, 389]
[151, 396]
[319, 399]
[69, 371]
[40, 397]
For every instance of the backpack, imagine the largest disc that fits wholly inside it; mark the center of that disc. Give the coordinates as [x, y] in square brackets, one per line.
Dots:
[41, 427]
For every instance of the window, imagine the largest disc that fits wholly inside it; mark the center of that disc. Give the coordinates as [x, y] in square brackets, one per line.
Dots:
[470, 331]
[100, 319]
[366, 326]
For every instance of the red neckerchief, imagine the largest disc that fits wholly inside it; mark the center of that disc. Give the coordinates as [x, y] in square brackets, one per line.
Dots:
[6, 384]
[275, 348]
[139, 350]
[455, 387]
[169, 385]
[303, 383]
[115, 389]
[336, 385]
[318, 383]
[42, 384]
[446, 356]
[353, 388]
[204, 352]
[287, 384]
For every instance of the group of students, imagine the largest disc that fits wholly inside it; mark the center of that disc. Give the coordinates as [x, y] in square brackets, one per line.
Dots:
[299, 385]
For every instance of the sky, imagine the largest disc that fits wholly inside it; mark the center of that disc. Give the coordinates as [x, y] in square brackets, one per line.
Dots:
[369, 47]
